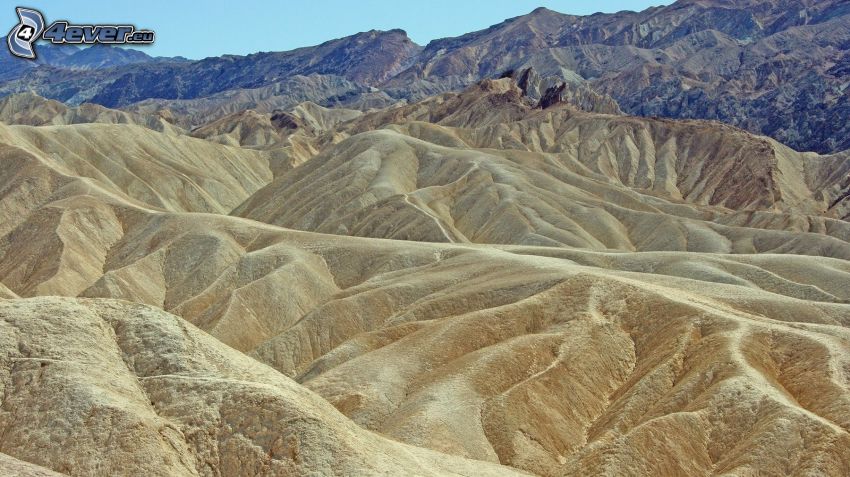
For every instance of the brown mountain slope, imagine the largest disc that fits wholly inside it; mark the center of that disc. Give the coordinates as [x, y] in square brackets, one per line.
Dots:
[163, 171]
[32, 110]
[480, 352]
[102, 165]
[746, 63]
[330, 90]
[12, 466]
[498, 115]
[773, 67]
[136, 391]
[290, 137]
[552, 360]
[474, 351]
[487, 167]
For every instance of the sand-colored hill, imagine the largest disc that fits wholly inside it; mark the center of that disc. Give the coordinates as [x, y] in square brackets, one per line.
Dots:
[542, 359]
[136, 391]
[5, 293]
[289, 137]
[486, 167]
[250, 128]
[545, 359]
[12, 466]
[32, 110]
[578, 294]
[163, 171]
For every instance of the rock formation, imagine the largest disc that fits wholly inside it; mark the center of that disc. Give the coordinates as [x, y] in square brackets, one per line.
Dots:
[511, 276]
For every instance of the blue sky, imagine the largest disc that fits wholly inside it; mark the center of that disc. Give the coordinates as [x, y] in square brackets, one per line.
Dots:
[197, 29]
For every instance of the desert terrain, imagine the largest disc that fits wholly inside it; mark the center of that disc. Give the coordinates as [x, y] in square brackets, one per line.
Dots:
[511, 277]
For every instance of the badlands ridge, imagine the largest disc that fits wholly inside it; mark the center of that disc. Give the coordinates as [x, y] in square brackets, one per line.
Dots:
[490, 282]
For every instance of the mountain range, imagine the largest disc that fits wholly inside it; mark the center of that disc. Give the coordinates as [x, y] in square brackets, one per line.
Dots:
[472, 258]
[778, 67]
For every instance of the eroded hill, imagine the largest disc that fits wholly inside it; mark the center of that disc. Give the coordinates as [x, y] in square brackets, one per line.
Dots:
[487, 166]
[577, 293]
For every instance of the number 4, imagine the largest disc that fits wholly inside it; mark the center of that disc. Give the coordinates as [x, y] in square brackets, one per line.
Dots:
[56, 32]
[26, 32]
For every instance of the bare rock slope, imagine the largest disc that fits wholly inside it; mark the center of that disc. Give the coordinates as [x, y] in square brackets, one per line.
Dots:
[541, 359]
[32, 110]
[486, 166]
[579, 294]
[773, 67]
[136, 391]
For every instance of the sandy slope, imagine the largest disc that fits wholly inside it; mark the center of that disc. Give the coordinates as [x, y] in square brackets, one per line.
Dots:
[12, 466]
[483, 166]
[542, 359]
[545, 313]
[169, 172]
[32, 110]
[136, 391]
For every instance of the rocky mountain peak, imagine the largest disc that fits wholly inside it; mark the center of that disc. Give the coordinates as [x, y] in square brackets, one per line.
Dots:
[548, 91]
